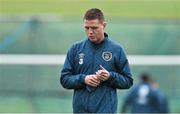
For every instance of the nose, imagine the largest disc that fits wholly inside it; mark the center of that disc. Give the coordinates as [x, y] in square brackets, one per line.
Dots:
[90, 31]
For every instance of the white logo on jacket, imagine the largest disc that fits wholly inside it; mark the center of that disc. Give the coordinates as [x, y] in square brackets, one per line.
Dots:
[81, 58]
[142, 94]
[107, 56]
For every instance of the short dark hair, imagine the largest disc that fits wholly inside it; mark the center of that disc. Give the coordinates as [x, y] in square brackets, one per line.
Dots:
[145, 77]
[94, 13]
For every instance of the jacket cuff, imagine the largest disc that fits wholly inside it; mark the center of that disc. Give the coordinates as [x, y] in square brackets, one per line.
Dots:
[82, 78]
[111, 76]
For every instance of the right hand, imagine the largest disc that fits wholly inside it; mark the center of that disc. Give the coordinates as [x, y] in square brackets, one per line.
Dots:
[92, 80]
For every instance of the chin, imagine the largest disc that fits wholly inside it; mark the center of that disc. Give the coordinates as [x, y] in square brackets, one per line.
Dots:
[92, 40]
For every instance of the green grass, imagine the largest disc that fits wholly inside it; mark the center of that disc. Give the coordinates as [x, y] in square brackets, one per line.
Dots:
[15, 104]
[138, 37]
[53, 105]
[136, 9]
[19, 104]
[37, 79]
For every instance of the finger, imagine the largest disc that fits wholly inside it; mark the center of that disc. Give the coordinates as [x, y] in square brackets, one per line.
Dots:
[104, 73]
[97, 73]
[101, 78]
[93, 84]
[101, 72]
[104, 77]
[95, 80]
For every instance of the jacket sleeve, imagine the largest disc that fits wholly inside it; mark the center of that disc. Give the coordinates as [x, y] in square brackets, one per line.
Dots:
[68, 79]
[162, 102]
[121, 78]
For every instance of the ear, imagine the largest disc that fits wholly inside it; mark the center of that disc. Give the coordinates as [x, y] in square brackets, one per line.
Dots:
[104, 24]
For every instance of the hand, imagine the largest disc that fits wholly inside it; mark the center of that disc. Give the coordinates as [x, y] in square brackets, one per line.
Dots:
[102, 74]
[92, 80]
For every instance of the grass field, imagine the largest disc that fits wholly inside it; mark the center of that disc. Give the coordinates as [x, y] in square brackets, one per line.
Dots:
[127, 9]
[144, 27]
[41, 91]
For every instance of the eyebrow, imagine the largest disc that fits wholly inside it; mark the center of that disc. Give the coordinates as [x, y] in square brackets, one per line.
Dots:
[93, 27]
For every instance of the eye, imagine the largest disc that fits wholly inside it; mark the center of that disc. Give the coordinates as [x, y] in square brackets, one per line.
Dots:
[87, 28]
[94, 28]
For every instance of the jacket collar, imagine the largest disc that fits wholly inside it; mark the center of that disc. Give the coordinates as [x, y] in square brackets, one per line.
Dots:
[101, 43]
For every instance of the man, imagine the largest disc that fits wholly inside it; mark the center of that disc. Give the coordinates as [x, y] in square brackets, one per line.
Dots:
[145, 98]
[95, 68]
[162, 101]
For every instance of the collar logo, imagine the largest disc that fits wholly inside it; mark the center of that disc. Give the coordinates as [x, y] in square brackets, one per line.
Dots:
[81, 58]
[107, 56]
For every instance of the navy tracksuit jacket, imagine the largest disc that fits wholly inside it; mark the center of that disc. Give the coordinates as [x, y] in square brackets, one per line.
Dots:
[143, 98]
[85, 58]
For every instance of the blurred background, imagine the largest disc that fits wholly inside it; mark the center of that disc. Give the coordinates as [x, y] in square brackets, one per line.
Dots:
[36, 34]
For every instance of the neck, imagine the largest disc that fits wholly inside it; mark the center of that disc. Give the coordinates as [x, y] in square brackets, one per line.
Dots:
[101, 40]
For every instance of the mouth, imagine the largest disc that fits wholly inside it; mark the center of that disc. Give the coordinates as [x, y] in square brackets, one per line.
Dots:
[91, 37]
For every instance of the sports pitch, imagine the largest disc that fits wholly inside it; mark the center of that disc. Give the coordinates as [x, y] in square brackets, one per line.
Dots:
[143, 27]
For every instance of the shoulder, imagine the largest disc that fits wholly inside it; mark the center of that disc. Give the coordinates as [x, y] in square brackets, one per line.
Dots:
[75, 46]
[114, 44]
[78, 44]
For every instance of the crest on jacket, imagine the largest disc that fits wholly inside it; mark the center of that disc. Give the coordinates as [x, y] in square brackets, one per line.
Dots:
[81, 58]
[107, 56]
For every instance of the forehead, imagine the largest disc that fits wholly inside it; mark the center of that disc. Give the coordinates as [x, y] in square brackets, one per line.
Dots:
[91, 22]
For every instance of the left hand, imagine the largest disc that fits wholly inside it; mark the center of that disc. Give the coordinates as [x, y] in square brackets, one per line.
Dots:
[102, 74]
